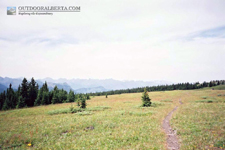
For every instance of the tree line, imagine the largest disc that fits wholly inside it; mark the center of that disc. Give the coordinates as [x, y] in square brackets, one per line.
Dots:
[179, 86]
[29, 94]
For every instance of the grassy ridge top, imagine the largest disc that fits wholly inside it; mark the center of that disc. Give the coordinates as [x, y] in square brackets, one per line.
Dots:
[123, 125]
[218, 87]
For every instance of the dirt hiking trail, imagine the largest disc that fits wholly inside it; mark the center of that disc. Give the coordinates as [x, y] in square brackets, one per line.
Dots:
[172, 140]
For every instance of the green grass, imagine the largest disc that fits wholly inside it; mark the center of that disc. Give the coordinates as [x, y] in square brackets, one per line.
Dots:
[117, 125]
[76, 110]
[200, 123]
[204, 97]
[118, 122]
[98, 108]
[166, 100]
[207, 101]
[218, 87]
[220, 144]
[140, 113]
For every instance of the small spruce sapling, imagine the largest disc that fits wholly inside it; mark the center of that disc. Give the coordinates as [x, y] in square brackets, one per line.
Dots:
[146, 101]
[83, 102]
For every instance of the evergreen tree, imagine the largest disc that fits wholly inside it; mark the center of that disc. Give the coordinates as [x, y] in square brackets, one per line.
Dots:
[6, 104]
[146, 101]
[204, 84]
[60, 96]
[83, 102]
[55, 95]
[45, 87]
[18, 92]
[2, 99]
[106, 96]
[32, 92]
[45, 98]
[64, 95]
[11, 97]
[50, 97]
[71, 96]
[21, 102]
[218, 82]
[54, 98]
[210, 84]
[39, 97]
[88, 97]
[24, 91]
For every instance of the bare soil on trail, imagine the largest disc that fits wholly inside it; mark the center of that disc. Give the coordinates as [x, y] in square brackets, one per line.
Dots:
[172, 140]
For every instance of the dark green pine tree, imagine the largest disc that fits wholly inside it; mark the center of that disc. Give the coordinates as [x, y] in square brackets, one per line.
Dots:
[50, 97]
[60, 96]
[204, 84]
[45, 87]
[20, 100]
[24, 91]
[106, 95]
[71, 96]
[210, 84]
[54, 98]
[88, 97]
[64, 94]
[11, 97]
[83, 102]
[39, 97]
[55, 95]
[32, 92]
[146, 101]
[6, 104]
[218, 83]
[2, 99]
[45, 98]
[18, 91]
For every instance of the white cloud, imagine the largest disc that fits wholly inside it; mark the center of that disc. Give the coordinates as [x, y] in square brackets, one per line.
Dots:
[140, 40]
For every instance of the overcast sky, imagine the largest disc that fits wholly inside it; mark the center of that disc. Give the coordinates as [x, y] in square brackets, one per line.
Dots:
[147, 40]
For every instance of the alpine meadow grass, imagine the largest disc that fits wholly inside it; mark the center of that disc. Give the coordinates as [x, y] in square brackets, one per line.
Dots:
[118, 122]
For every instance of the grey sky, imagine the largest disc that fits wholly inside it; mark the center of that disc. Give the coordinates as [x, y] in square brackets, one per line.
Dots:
[127, 40]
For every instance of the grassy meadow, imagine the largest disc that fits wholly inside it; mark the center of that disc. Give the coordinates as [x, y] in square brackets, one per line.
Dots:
[118, 122]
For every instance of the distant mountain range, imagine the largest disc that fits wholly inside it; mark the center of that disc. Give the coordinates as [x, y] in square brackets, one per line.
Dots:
[91, 90]
[109, 84]
[81, 85]
[2, 88]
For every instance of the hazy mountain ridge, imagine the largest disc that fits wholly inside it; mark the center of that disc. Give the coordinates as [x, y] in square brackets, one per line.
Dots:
[2, 88]
[106, 83]
[14, 81]
[63, 86]
[91, 90]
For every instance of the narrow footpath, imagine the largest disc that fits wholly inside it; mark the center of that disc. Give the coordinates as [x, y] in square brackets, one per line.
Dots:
[172, 140]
